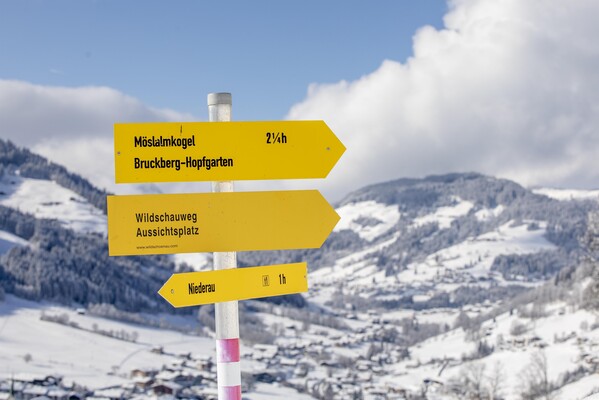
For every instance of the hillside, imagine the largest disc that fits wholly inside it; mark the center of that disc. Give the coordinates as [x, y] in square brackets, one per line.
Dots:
[442, 241]
[437, 288]
[54, 240]
[31, 165]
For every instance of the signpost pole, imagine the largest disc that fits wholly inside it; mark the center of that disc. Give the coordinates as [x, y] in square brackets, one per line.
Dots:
[227, 318]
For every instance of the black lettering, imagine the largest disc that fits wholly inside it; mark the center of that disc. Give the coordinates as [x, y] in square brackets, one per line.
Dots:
[144, 141]
[200, 288]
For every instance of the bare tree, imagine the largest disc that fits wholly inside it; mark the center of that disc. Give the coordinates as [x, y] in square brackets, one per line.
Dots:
[476, 382]
[496, 381]
[535, 383]
[473, 381]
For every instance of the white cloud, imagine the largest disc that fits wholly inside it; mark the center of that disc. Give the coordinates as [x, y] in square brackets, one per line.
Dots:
[73, 126]
[508, 88]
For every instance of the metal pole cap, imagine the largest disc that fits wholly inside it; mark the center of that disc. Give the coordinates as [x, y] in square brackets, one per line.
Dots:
[219, 98]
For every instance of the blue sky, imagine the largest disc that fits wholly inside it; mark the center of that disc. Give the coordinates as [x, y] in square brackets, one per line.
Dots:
[170, 54]
[508, 88]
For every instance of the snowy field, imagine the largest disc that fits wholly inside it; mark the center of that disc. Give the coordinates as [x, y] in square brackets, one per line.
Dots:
[47, 199]
[28, 344]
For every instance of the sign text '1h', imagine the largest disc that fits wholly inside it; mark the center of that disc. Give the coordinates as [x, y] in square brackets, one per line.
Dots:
[223, 151]
[202, 222]
[197, 288]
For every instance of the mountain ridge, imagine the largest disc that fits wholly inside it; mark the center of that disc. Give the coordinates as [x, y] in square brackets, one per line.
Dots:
[421, 276]
[422, 217]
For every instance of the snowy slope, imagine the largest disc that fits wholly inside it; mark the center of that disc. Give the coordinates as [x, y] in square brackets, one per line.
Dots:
[8, 241]
[443, 216]
[81, 356]
[441, 358]
[475, 255]
[47, 199]
[448, 268]
[31, 347]
[368, 219]
[568, 194]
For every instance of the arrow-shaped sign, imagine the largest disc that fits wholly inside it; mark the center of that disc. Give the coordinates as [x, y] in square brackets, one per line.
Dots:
[223, 151]
[196, 288]
[202, 222]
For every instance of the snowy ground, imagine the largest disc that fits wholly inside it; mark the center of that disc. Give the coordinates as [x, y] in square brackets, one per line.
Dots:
[31, 347]
[438, 358]
[81, 356]
[275, 391]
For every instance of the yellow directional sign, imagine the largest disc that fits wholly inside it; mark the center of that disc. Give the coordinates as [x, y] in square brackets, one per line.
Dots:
[199, 222]
[222, 151]
[196, 288]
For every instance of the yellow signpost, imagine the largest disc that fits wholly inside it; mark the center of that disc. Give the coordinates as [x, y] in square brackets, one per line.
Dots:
[224, 151]
[197, 288]
[200, 222]
[223, 222]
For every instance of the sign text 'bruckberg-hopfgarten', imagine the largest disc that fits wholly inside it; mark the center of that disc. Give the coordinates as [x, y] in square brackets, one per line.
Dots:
[223, 221]
[223, 151]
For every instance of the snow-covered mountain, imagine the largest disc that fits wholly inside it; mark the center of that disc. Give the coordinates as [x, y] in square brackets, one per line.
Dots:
[442, 241]
[446, 287]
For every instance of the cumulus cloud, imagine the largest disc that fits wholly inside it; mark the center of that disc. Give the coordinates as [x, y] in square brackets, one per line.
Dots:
[72, 126]
[507, 87]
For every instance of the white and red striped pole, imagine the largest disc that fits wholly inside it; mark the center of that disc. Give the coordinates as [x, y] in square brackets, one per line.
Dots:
[228, 368]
